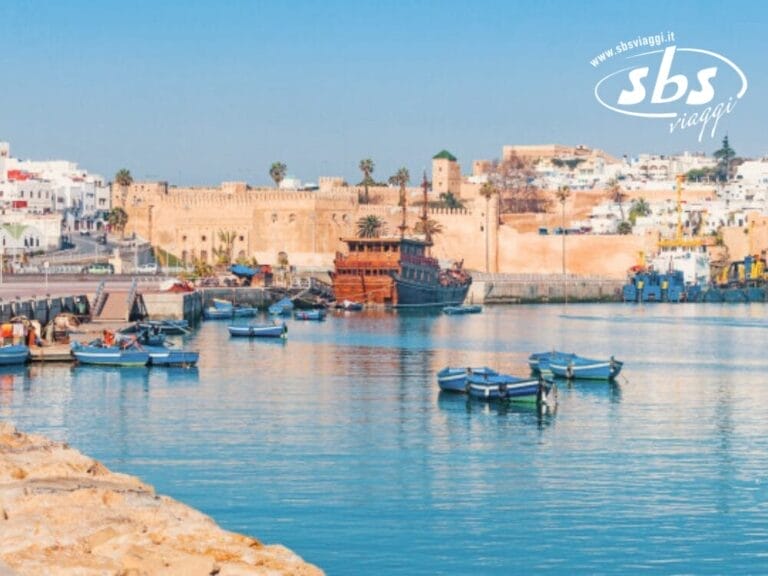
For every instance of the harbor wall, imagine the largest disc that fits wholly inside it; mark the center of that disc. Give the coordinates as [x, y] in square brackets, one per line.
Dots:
[541, 288]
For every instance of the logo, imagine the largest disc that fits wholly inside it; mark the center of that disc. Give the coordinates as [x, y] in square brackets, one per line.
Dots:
[689, 88]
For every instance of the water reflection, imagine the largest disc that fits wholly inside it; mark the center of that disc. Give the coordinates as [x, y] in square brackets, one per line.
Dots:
[528, 412]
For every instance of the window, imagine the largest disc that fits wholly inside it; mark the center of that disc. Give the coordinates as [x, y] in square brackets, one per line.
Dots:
[203, 238]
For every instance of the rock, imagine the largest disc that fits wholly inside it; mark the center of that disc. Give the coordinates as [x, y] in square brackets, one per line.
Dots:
[64, 513]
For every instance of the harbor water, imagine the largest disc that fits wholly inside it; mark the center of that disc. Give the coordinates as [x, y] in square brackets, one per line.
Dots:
[338, 444]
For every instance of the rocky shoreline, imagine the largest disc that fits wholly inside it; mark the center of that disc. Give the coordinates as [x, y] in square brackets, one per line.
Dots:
[64, 513]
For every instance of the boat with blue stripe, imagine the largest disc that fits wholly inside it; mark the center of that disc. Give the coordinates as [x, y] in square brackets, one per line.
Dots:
[455, 379]
[259, 330]
[579, 367]
[507, 388]
[109, 355]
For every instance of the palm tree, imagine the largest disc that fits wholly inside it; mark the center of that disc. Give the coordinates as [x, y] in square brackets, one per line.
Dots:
[725, 156]
[277, 172]
[224, 252]
[118, 219]
[370, 226]
[486, 191]
[366, 167]
[123, 179]
[640, 207]
[429, 229]
[616, 194]
[401, 179]
[562, 194]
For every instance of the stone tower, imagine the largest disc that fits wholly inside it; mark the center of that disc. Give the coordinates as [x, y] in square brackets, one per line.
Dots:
[446, 173]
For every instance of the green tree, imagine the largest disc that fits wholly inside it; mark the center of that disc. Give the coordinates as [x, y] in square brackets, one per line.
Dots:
[624, 227]
[430, 228]
[639, 208]
[616, 194]
[277, 172]
[123, 177]
[370, 226]
[366, 167]
[202, 269]
[448, 200]
[224, 251]
[401, 179]
[118, 219]
[725, 156]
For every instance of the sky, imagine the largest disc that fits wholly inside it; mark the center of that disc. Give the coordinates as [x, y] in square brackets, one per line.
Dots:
[199, 92]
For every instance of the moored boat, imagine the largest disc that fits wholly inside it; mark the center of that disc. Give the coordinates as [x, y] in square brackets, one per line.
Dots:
[455, 379]
[13, 354]
[317, 314]
[109, 355]
[282, 307]
[349, 305]
[167, 356]
[504, 387]
[259, 330]
[579, 367]
[463, 309]
[214, 313]
[539, 361]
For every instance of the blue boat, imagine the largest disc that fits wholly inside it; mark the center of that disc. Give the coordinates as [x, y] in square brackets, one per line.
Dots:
[578, 367]
[317, 314]
[455, 379]
[503, 387]
[109, 355]
[222, 313]
[539, 361]
[464, 309]
[281, 307]
[13, 354]
[166, 356]
[259, 330]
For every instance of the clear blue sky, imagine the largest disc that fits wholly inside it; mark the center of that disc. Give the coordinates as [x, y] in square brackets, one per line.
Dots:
[198, 92]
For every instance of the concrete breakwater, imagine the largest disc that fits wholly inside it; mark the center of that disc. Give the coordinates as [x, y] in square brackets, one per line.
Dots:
[43, 309]
[64, 513]
[542, 288]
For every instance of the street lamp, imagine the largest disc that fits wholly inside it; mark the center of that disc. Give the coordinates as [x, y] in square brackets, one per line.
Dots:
[563, 192]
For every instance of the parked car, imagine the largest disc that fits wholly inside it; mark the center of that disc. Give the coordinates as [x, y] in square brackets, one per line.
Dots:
[148, 268]
[99, 268]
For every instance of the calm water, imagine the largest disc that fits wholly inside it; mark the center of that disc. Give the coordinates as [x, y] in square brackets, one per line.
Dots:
[338, 444]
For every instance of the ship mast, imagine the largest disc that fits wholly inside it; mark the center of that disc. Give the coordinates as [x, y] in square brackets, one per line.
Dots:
[424, 217]
[679, 241]
[403, 227]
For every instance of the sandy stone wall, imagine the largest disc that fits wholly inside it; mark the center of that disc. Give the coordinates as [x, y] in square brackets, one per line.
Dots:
[64, 513]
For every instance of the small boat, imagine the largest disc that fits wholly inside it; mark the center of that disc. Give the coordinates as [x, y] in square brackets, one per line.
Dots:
[166, 356]
[214, 313]
[98, 354]
[259, 330]
[169, 327]
[222, 304]
[578, 367]
[317, 314]
[539, 361]
[349, 305]
[455, 379]
[503, 387]
[463, 309]
[281, 307]
[13, 354]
